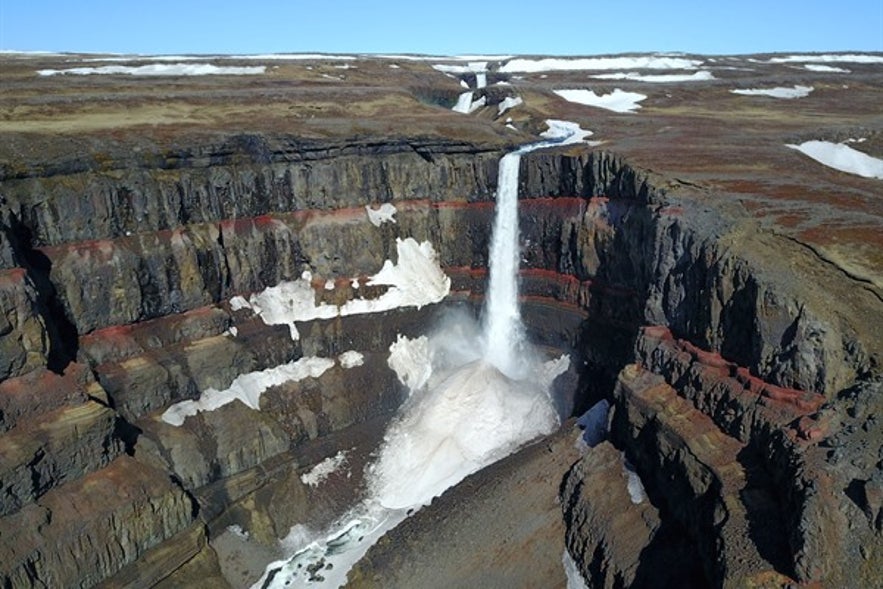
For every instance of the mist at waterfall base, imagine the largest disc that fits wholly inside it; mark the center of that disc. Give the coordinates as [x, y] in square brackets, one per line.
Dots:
[477, 392]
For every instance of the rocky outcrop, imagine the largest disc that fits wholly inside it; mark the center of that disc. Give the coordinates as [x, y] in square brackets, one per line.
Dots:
[242, 177]
[606, 529]
[78, 534]
[741, 374]
[728, 515]
[64, 445]
[24, 344]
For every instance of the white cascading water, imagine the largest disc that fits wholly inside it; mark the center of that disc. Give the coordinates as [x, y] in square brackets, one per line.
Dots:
[503, 330]
[476, 395]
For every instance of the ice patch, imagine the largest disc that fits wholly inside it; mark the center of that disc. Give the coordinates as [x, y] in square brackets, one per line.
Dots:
[842, 157]
[507, 103]
[325, 561]
[248, 388]
[384, 214]
[321, 471]
[779, 92]
[351, 359]
[465, 419]
[160, 69]
[291, 301]
[232, 331]
[700, 76]
[414, 281]
[329, 284]
[238, 303]
[594, 423]
[411, 361]
[552, 64]
[617, 101]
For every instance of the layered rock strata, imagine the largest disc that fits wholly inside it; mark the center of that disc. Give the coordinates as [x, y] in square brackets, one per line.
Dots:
[741, 373]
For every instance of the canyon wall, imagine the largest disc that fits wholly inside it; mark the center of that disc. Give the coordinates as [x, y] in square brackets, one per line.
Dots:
[740, 394]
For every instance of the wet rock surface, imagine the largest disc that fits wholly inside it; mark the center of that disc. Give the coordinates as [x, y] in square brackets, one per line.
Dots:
[723, 292]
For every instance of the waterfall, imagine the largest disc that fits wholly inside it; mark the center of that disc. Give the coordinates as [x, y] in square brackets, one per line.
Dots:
[480, 395]
[504, 338]
[503, 330]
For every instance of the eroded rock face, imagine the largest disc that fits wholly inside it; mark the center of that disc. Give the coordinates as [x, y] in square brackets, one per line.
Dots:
[732, 376]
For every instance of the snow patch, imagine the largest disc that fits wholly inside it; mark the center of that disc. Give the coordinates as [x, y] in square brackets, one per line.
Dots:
[617, 101]
[507, 103]
[816, 67]
[828, 58]
[416, 280]
[635, 487]
[575, 578]
[294, 57]
[238, 303]
[123, 58]
[599, 63]
[237, 531]
[351, 359]
[384, 214]
[469, 68]
[567, 132]
[161, 69]
[248, 388]
[700, 76]
[779, 92]
[464, 103]
[480, 103]
[321, 471]
[842, 157]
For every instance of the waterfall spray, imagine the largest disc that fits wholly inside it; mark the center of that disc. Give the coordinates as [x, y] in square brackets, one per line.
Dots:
[475, 398]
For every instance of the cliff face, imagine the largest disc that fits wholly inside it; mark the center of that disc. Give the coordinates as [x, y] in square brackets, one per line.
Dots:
[741, 395]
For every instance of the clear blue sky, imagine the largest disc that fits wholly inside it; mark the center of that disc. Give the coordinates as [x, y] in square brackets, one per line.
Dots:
[564, 27]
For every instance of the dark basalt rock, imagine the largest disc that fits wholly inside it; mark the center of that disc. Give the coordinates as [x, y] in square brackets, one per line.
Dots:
[747, 401]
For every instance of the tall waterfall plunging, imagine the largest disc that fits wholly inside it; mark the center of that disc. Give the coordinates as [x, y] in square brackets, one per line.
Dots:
[475, 396]
[503, 330]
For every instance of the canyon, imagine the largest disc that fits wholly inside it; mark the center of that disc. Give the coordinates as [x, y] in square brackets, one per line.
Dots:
[721, 292]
